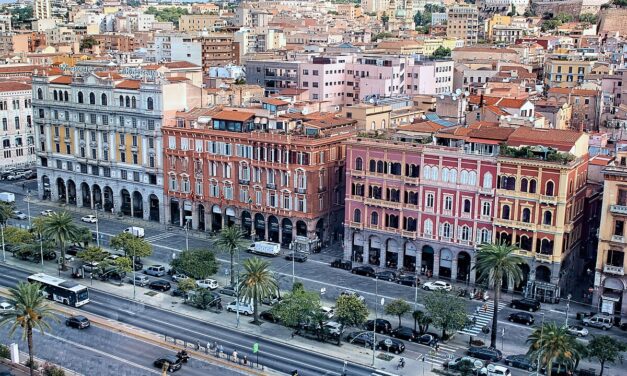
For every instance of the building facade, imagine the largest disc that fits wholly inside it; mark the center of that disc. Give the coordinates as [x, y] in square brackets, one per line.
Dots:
[18, 142]
[243, 167]
[99, 141]
[463, 23]
[42, 9]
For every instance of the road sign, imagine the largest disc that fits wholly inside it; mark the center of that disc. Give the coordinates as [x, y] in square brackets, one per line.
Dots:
[255, 348]
[388, 342]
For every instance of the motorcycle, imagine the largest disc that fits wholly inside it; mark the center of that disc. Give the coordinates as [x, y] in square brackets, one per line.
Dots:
[183, 356]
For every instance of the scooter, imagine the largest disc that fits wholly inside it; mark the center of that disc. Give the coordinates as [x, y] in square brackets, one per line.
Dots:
[183, 356]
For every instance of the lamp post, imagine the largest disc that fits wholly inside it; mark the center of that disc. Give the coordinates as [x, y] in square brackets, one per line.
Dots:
[540, 350]
[376, 309]
[134, 279]
[97, 230]
[41, 250]
[416, 294]
[187, 235]
[567, 309]
[28, 208]
[4, 256]
[237, 290]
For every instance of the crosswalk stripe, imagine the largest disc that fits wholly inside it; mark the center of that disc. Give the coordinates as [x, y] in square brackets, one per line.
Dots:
[481, 317]
[159, 237]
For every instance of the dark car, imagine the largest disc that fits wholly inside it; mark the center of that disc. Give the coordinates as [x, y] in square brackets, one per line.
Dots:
[78, 322]
[392, 345]
[408, 280]
[363, 270]
[521, 318]
[428, 339]
[342, 264]
[530, 305]
[74, 249]
[296, 256]
[179, 293]
[160, 285]
[406, 333]
[112, 273]
[174, 363]
[365, 339]
[269, 316]
[228, 290]
[519, 361]
[386, 275]
[383, 326]
[50, 256]
[138, 265]
[485, 353]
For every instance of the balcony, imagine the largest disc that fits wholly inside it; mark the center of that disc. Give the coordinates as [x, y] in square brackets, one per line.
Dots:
[486, 191]
[618, 209]
[522, 252]
[548, 199]
[411, 180]
[514, 224]
[408, 234]
[612, 269]
[544, 258]
[356, 225]
[301, 191]
[271, 186]
[382, 203]
[244, 181]
[358, 172]
[618, 239]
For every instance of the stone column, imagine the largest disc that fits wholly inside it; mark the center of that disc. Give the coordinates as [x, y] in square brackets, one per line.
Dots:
[67, 193]
[454, 269]
[194, 224]
[436, 263]
[348, 245]
[165, 213]
[280, 233]
[382, 258]
[366, 252]
[132, 205]
[473, 272]
[146, 204]
[79, 197]
[418, 261]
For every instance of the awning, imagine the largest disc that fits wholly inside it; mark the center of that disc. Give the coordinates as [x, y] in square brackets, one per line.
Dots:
[230, 211]
[612, 297]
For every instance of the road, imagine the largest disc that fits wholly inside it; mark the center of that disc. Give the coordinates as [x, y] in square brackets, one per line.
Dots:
[316, 274]
[277, 356]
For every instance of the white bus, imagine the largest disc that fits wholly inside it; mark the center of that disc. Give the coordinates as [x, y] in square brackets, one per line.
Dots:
[62, 291]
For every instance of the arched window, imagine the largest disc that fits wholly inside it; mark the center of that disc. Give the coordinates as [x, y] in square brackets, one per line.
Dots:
[80, 97]
[103, 99]
[55, 95]
[453, 176]
[92, 98]
[357, 216]
[150, 104]
[525, 243]
[464, 234]
[526, 215]
[487, 180]
[380, 167]
[448, 203]
[524, 185]
[428, 227]
[472, 178]
[463, 178]
[373, 165]
[549, 188]
[373, 125]
[446, 230]
[486, 236]
[532, 186]
[374, 219]
[486, 209]
[505, 212]
[359, 164]
[467, 206]
[445, 175]
[40, 94]
[133, 102]
[383, 124]
[427, 172]
[66, 96]
[547, 218]
[434, 173]
[121, 101]
[128, 101]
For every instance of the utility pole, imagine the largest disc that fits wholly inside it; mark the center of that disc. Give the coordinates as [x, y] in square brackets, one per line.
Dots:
[28, 208]
[567, 309]
[374, 324]
[237, 290]
[97, 231]
[540, 350]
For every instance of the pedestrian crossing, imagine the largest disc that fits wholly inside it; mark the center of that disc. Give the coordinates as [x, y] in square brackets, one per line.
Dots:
[161, 236]
[444, 353]
[482, 317]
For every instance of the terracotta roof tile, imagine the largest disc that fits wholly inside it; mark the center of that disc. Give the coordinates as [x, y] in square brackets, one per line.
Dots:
[180, 65]
[274, 101]
[512, 103]
[113, 75]
[491, 133]
[129, 84]
[233, 115]
[62, 80]
[560, 139]
[14, 86]
[422, 126]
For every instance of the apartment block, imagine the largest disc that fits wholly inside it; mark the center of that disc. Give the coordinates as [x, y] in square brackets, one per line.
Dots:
[463, 23]
[18, 142]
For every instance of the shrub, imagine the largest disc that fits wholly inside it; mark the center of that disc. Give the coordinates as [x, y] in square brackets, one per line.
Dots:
[34, 365]
[52, 370]
[5, 352]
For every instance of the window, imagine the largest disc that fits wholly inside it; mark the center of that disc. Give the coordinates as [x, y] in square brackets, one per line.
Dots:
[359, 164]
[40, 94]
[524, 185]
[547, 218]
[526, 215]
[374, 219]
[428, 227]
[150, 104]
[549, 188]
[532, 186]
[133, 103]
[103, 99]
[448, 203]
[123, 157]
[446, 230]
[619, 228]
[505, 212]
[429, 201]
[185, 185]
[486, 209]
[172, 183]
[467, 206]
[92, 98]
[464, 233]
[485, 236]
[357, 216]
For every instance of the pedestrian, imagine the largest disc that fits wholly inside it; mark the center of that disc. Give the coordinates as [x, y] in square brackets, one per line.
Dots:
[207, 347]
[235, 356]
[197, 345]
[245, 360]
[437, 347]
[485, 308]
[220, 350]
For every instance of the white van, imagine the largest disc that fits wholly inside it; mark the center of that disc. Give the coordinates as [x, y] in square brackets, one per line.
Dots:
[137, 231]
[265, 248]
[600, 320]
[7, 197]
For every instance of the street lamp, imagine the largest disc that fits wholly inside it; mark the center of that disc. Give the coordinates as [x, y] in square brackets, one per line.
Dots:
[540, 350]
[374, 324]
[97, 231]
[28, 207]
[567, 309]
[237, 290]
[416, 293]
[187, 235]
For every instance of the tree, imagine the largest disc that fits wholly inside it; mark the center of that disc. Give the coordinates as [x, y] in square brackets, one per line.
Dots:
[93, 254]
[385, 18]
[196, 263]
[187, 284]
[605, 349]
[398, 308]
[123, 264]
[15, 235]
[496, 262]
[131, 245]
[550, 24]
[6, 213]
[32, 311]
[167, 14]
[552, 343]
[591, 19]
[441, 53]
[60, 227]
[447, 312]
[513, 11]
[88, 42]
[83, 236]
[297, 307]
[256, 283]
[21, 15]
[350, 310]
[422, 320]
[466, 368]
[202, 299]
[380, 36]
[231, 240]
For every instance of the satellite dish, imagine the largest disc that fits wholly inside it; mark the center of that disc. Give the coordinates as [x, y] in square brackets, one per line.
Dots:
[441, 96]
[458, 91]
[371, 100]
[423, 117]
[530, 118]
[454, 97]
[466, 93]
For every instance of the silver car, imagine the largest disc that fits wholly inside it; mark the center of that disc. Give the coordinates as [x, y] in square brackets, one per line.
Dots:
[578, 331]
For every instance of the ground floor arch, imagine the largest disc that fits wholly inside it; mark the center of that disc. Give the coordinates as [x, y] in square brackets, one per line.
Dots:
[247, 223]
[374, 250]
[543, 273]
[409, 256]
[273, 229]
[357, 247]
[108, 199]
[86, 195]
[96, 194]
[301, 228]
[446, 263]
[464, 262]
[286, 232]
[428, 254]
[125, 199]
[392, 249]
[61, 190]
[260, 227]
[46, 190]
[154, 206]
[216, 218]
[71, 192]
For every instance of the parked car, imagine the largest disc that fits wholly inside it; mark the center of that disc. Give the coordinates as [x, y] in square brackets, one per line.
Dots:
[74, 249]
[6, 307]
[180, 293]
[408, 280]
[174, 363]
[334, 328]
[526, 304]
[406, 333]
[176, 277]
[208, 283]
[392, 345]
[600, 320]
[271, 300]
[111, 273]
[365, 339]
[46, 213]
[160, 285]
[520, 361]
[494, 370]
[386, 275]
[50, 255]
[522, 318]
[138, 265]
[19, 215]
[578, 331]
[454, 363]
[368, 271]
[244, 308]
[155, 270]
[352, 293]
[269, 316]
[296, 256]
[383, 326]
[89, 219]
[78, 322]
[485, 353]
[91, 267]
[341, 264]
[428, 339]
[140, 280]
[327, 311]
[437, 285]
[228, 290]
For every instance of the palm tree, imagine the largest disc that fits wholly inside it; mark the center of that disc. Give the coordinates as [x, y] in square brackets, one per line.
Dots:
[257, 282]
[550, 343]
[32, 311]
[231, 240]
[83, 236]
[6, 213]
[422, 320]
[495, 262]
[60, 228]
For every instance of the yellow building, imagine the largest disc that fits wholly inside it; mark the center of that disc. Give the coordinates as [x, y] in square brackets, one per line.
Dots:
[609, 280]
[369, 117]
[432, 44]
[566, 71]
[200, 22]
[497, 19]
